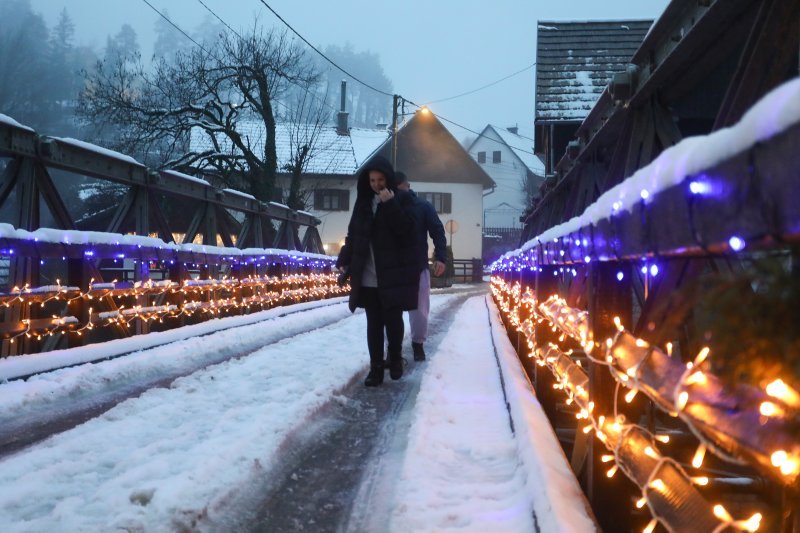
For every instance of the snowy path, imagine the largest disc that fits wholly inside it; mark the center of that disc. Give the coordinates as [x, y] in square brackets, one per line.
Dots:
[195, 455]
[353, 443]
[461, 442]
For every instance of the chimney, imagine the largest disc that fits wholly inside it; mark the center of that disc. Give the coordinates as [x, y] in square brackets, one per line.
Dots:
[513, 129]
[341, 117]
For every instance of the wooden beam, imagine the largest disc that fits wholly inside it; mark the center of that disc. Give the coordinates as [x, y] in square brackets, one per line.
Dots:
[122, 211]
[53, 199]
[766, 59]
[10, 175]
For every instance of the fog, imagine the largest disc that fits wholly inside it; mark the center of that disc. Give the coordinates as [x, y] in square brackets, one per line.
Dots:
[429, 50]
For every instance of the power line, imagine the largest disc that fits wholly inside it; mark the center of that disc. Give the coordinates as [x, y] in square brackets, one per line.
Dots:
[343, 70]
[162, 15]
[483, 86]
[440, 117]
[329, 60]
[220, 19]
[407, 100]
[325, 103]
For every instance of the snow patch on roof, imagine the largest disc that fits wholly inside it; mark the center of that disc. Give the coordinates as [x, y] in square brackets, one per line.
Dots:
[366, 142]
[523, 148]
[332, 153]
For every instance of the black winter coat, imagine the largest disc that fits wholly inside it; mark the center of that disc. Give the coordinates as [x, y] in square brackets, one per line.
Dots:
[392, 233]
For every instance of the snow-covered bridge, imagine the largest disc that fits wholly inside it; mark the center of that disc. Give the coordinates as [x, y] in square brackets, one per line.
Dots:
[265, 425]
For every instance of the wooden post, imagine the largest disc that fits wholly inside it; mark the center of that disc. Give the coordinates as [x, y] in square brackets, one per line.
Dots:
[177, 274]
[78, 276]
[608, 297]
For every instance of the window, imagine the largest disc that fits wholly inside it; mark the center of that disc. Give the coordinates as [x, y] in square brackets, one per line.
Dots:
[481, 157]
[331, 200]
[277, 194]
[496, 156]
[442, 201]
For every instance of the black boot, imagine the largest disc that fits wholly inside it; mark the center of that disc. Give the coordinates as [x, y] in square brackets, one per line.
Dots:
[419, 352]
[375, 376]
[395, 365]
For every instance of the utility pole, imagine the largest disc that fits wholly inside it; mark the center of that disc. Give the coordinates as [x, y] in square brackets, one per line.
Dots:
[395, 102]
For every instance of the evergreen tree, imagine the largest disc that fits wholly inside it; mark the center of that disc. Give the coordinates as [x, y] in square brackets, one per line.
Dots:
[366, 107]
[169, 41]
[63, 68]
[124, 46]
[23, 64]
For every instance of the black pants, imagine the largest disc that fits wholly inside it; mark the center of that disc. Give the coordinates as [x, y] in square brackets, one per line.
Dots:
[379, 319]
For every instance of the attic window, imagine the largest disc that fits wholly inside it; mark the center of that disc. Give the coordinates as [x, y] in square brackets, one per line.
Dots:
[481, 157]
[496, 156]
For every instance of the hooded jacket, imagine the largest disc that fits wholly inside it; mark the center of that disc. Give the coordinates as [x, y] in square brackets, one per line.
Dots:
[391, 231]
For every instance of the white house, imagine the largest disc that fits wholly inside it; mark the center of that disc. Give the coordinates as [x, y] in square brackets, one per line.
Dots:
[438, 167]
[509, 159]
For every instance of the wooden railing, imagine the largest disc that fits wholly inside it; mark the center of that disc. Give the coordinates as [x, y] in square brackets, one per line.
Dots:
[72, 283]
[610, 295]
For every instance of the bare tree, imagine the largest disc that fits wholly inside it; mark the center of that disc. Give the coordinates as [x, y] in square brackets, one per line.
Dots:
[192, 112]
[306, 119]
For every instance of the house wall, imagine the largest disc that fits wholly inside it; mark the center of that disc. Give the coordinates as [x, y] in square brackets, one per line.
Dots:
[509, 174]
[466, 210]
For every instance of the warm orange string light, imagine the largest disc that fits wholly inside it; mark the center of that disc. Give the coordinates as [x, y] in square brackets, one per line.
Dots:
[513, 305]
[290, 289]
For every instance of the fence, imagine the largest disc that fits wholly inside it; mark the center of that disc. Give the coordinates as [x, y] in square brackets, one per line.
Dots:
[68, 286]
[651, 312]
[589, 301]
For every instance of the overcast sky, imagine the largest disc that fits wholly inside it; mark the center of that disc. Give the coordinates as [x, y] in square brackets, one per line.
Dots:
[430, 49]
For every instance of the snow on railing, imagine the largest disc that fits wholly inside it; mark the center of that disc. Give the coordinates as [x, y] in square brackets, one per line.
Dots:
[775, 113]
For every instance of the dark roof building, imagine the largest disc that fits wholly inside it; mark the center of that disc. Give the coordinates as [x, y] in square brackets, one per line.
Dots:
[574, 63]
[427, 151]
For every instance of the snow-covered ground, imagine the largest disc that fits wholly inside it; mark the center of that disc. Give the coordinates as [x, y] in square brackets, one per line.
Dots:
[175, 458]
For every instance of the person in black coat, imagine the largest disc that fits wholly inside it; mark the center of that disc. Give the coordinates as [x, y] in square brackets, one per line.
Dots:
[428, 223]
[380, 256]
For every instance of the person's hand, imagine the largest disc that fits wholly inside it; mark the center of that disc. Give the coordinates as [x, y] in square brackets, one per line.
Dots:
[385, 195]
[438, 268]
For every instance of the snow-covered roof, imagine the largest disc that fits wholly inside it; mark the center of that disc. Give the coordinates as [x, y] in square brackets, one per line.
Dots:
[332, 154]
[366, 142]
[523, 148]
[576, 60]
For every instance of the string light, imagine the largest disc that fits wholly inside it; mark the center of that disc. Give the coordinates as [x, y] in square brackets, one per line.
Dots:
[722, 513]
[699, 455]
[520, 308]
[198, 297]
